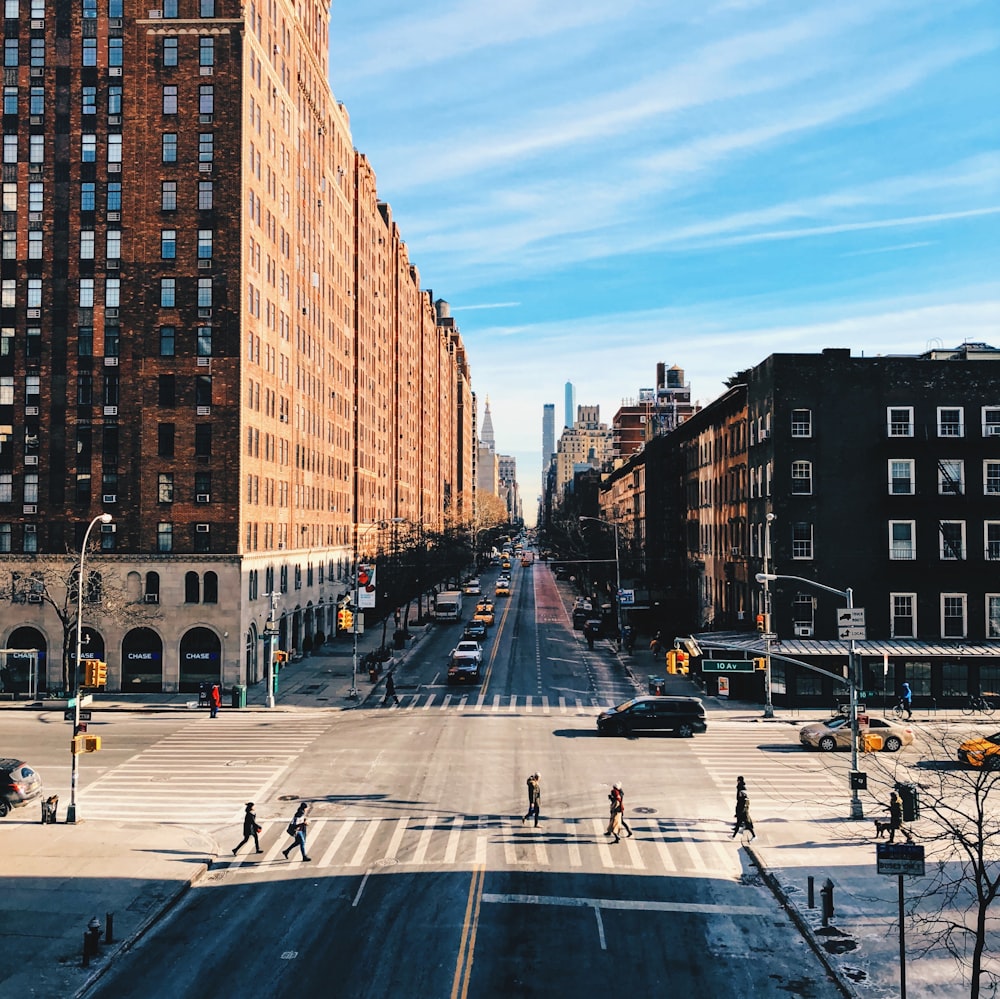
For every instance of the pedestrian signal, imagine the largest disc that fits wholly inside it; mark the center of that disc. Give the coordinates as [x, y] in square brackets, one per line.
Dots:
[910, 798]
[760, 663]
[280, 656]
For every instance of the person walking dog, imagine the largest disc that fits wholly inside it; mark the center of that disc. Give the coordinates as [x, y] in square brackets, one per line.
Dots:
[250, 828]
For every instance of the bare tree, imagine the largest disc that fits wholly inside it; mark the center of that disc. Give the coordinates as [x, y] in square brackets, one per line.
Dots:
[51, 580]
[959, 826]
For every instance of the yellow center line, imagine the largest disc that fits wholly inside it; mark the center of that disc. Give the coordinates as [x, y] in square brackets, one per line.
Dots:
[463, 965]
[495, 645]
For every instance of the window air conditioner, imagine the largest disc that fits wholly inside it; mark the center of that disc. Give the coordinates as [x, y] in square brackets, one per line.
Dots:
[31, 459]
[204, 313]
[37, 24]
[803, 630]
[109, 528]
[110, 410]
[204, 265]
[114, 71]
[993, 429]
[116, 22]
[30, 508]
[765, 435]
[152, 598]
[202, 528]
[35, 119]
[31, 411]
[204, 362]
[111, 362]
[204, 498]
[153, 14]
[203, 410]
[109, 498]
[34, 598]
[37, 71]
[30, 528]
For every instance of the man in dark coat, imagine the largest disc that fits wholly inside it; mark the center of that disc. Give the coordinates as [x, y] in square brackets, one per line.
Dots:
[534, 799]
[250, 828]
[390, 690]
[896, 818]
[743, 820]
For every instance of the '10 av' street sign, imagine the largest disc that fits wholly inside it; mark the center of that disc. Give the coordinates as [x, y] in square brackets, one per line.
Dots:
[727, 666]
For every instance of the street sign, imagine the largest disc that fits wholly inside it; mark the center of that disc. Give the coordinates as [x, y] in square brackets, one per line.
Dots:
[899, 858]
[626, 597]
[86, 699]
[727, 666]
[769, 636]
[854, 616]
[70, 715]
[852, 632]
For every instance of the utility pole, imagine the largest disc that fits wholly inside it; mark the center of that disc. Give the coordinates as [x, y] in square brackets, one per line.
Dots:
[271, 634]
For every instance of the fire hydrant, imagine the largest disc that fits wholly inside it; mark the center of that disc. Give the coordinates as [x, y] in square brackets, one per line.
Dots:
[94, 929]
[827, 892]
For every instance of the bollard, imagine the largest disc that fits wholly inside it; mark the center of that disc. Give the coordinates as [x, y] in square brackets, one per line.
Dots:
[109, 927]
[86, 950]
[811, 892]
[827, 892]
[94, 929]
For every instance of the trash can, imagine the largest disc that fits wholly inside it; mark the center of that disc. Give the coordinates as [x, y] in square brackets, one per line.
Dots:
[239, 695]
[399, 639]
[49, 808]
[203, 695]
[873, 743]
[657, 684]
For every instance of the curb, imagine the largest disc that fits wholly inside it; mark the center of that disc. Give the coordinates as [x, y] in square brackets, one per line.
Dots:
[802, 924]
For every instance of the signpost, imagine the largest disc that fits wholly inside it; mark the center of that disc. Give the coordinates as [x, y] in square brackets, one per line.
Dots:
[727, 666]
[851, 623]
[900, 859]
[626, 598]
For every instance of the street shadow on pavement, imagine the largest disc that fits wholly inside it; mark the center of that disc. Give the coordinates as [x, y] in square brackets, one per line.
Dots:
[576, 733]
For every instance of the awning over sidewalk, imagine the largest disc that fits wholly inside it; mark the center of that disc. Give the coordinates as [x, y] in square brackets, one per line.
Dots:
[752, 643]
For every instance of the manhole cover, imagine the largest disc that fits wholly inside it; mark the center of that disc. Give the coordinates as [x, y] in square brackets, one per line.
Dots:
[385, 862]
[288, 797]
[644, 810]
[236, 763]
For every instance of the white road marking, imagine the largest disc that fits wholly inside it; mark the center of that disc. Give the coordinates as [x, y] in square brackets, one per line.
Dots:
[622, 904]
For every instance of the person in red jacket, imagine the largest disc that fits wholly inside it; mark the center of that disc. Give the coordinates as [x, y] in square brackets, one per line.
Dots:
[214, 700]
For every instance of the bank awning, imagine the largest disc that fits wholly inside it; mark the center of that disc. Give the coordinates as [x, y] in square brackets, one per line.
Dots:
[753, 644]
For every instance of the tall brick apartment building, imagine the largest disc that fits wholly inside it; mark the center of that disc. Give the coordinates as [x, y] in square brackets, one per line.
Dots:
[211, 330]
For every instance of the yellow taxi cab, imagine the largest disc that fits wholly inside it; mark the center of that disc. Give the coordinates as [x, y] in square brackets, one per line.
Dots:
[502, 588]
[981, 752]
[484, 613]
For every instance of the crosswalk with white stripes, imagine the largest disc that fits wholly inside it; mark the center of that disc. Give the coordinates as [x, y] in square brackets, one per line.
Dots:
[476, 701]
[202, 774]
[657, 846]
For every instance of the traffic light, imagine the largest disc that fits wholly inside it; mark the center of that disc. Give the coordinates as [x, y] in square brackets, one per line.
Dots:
[671, 660]
[86, 744]
[910, 797]
[100, 673]
[760, 622]
[760, 663]
[681, 661]
[345, 619]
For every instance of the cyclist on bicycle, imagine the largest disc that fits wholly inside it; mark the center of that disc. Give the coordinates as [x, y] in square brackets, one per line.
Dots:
[906, 700]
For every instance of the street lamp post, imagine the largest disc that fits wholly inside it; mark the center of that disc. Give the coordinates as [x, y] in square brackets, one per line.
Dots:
[271, 634]
[618, 575]
[103, 518]
[768, 703]
[857, 812]
[358, 535]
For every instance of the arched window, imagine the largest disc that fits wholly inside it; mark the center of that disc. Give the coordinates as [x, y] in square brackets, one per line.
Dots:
[210, 593]
[192, 588]
[152, 587]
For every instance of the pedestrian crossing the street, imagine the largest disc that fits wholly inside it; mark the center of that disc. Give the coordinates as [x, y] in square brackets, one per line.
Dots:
[204, 773]
[657, 846]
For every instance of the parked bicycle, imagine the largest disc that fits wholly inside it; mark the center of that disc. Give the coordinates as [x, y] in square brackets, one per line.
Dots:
[978, 703]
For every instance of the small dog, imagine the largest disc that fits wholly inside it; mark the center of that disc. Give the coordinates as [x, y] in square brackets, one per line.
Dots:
[882, 826]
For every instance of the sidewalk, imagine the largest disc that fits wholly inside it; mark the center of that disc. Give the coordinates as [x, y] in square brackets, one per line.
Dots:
[58, 877]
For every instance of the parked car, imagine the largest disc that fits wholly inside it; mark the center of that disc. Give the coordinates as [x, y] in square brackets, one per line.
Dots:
[465, 662]
[683, 715]
[19, 784]
[981, 752]
[475, 630]
[835, 733]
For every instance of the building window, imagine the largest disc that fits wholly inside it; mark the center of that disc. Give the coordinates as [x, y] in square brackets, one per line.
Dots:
[951, 478]
[802, 541]
[168, 196]
[952, 539]
[36, 240]
[192, 588]
[991, 478]
[205, 237]
[8, 244]
[10, 149]
[203, 440]
[112, 340]
[167, 341]
[113, 244]
[10, 52]
[168, 244]
[86, 293]
[902, 540]
[991, 421]
[10, 100]
[205, 195]
[204, 293]
[206, 8]
[5, 538]
[153, 586]
[165, 433]
[901, 477]
[170, 99]
[169, 51]
[991, 532]
[34, 293]
[953, 618]
[10, 196]
[802, 423]
[204, 341]
[164, 537]
[89, 52]
[203, 543]
[203, 390]
[206, 51]
[115, 99]
[115, 147]
[30, 487]
[992, 615]
[88, 147]
[169, 147]
[206, 100]
[88, 197]
[115, 51]
[166, 391]
[169, 8]
[165, 487]
[36, 148]
[900, 420]
[36, 101]
[85, 341]
[30, 539]
[114, 196]
[112, 292]
[36, 55]
[86, 244]
[950, 422]
[206, 147]
[802, 478]
[168, 290]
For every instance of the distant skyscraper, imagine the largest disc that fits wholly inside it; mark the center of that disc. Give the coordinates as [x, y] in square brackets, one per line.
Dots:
[548, 433]
[570, 405]
[486, 430]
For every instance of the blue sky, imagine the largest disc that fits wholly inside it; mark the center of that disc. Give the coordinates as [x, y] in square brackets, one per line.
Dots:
[597, 187]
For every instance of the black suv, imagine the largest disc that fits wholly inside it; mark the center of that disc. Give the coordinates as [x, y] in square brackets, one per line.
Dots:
[19, 784]
[683, 715]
